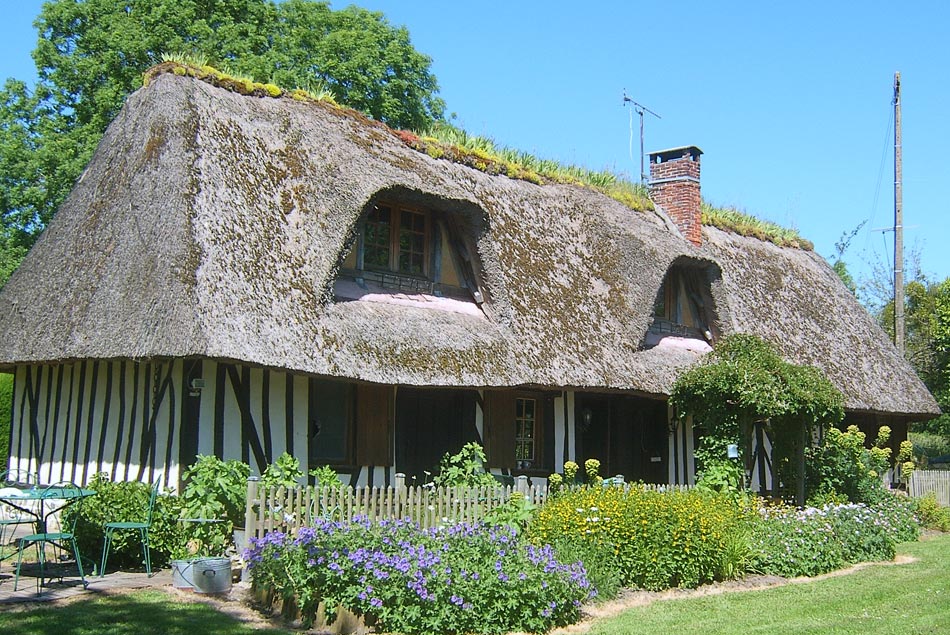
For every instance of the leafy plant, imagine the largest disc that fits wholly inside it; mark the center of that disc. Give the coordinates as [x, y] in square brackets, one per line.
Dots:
[125, 501]
[516, 513]
[326, 476]
[214, 490]
[464, 469]
[283, 472]
[570, 472]
[592, 470]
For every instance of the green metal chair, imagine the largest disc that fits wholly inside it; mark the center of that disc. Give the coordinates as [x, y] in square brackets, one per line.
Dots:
[142, 527]
[13, 481]
[66, 536]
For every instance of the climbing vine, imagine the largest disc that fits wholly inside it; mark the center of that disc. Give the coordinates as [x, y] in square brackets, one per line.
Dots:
[745, 381]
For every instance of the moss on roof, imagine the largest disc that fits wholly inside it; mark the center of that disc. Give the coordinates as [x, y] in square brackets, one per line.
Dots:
[450, 143]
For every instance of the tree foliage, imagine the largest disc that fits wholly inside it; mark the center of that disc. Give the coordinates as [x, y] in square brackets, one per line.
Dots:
[91, 54]
[926, 341]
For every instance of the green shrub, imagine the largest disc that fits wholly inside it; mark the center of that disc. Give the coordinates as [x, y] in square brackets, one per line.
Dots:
[806, 542]
[932, 515]
[790, 542]
[658, 539]
[842, 465]
[603, 571]
[6, 411]
[458, 579]
[125, 502]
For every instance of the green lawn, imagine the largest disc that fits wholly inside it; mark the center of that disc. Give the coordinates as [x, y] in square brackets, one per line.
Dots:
[909, 599]
[138, 613]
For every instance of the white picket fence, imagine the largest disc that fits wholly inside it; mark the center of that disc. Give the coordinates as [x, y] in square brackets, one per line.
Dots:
[288, 509]
[923, 482]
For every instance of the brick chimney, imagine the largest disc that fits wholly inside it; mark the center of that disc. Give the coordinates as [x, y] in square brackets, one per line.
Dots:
[674, 186]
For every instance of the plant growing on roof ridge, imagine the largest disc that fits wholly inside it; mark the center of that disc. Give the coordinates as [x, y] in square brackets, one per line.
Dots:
[734, 220]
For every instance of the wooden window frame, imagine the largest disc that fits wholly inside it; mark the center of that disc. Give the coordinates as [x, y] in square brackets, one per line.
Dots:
[502, 431]
[395, 227]
[524, 439]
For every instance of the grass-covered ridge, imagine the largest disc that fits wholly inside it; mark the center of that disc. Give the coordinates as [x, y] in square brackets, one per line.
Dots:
[733, 220]
[447, 142]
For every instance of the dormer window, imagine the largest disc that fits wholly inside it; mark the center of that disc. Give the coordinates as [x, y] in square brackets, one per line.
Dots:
[410, 253]
[396, 239]
[683, 308]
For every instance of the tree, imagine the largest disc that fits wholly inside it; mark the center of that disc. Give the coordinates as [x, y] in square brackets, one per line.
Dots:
[91, 54]
[366, 62]
[839, 265]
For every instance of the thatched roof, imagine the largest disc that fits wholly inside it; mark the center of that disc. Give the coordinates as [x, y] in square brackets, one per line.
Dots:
[212, 224]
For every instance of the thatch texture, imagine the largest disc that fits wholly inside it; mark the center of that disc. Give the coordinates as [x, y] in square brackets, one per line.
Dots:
[213, 224]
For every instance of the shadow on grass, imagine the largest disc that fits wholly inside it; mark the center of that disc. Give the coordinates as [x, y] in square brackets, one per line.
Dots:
[140, 613]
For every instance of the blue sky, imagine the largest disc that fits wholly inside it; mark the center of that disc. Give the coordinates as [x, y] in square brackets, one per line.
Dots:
[790, 102]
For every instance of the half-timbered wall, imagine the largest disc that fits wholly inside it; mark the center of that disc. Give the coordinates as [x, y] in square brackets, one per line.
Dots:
[682, 468]
[71, 421]
[144, 420]
[141, 420]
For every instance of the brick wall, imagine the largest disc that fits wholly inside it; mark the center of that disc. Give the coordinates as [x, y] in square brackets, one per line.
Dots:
[674, 186]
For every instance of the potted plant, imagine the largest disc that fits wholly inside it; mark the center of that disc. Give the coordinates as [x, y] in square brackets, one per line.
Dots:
[212, 504]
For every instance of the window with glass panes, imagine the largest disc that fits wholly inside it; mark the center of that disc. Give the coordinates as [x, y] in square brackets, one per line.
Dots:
[526, 428]
[396, 239]
[377, 243]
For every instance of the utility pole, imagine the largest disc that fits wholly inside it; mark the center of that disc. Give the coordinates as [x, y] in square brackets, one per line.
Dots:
[898, 223]
[640, 110]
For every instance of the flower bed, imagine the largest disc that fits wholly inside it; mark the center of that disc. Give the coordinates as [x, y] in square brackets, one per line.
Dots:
[458, 579]
[658, 539]
[811, 541]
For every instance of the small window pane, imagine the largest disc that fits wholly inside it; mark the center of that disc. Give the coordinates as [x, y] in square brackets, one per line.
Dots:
[525, 429]
[412, 239]
[376, 238]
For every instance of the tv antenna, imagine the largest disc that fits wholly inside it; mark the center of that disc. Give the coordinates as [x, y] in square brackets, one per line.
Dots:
[640, 108]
